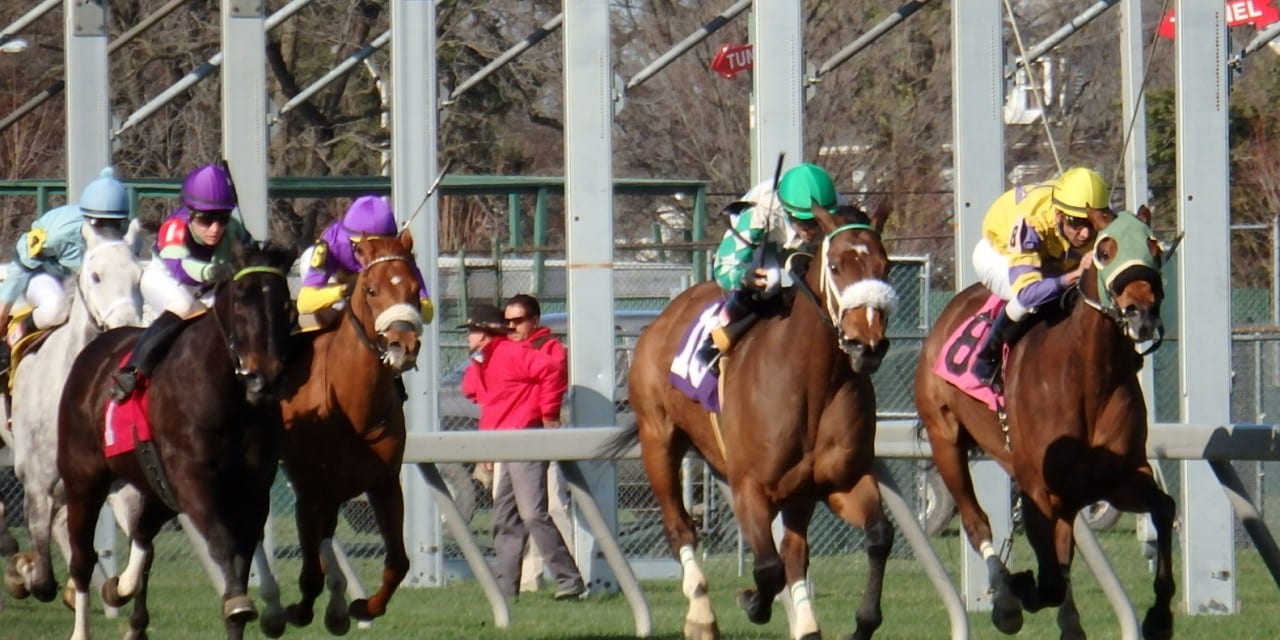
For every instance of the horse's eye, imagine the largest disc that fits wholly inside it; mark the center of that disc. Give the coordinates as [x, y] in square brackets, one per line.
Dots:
[1105, 251]
[370, 291]
[833, 268]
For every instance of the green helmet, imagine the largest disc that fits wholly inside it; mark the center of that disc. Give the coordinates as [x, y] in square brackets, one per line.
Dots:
[801, 186]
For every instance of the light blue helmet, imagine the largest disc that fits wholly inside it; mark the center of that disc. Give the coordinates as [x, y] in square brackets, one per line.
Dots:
[105, 197]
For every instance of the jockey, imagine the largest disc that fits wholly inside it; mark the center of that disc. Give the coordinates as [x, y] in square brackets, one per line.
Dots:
[52, 251]
[1035, 244]
[192, 248]
[783, 222]
[332, 264]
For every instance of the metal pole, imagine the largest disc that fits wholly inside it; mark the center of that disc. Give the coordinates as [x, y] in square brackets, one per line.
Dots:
[1249, 516]
[533, 38]
[342, 69]
[1259, 41]
[11, 31]
[701, 34]
[146, 23]
[867, 38]
[1077, 23]
[1096, 558]
[206, 69]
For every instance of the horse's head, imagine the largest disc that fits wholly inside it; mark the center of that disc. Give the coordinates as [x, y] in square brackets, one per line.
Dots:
[1127, 260]
[853, 270]
[108, 280]
[386, 293]
[255, 313]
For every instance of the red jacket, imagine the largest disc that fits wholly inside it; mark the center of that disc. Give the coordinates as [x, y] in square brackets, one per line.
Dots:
[543, 340]
[516, 387]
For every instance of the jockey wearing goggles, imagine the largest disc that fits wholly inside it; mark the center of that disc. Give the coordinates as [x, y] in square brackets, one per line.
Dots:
[193, 248]
[784, 223]
[1036, 242]
[331, 263]
[53, 250]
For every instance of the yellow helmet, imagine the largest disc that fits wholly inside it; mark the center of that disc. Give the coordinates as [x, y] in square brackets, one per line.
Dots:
[1080, 189]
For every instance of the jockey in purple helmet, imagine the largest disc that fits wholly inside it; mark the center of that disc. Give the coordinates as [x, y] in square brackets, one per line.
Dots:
[191, 244]
[332, 262]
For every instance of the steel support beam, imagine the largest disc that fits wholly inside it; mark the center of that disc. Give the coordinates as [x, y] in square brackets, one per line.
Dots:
[244, 109]
[777, 88]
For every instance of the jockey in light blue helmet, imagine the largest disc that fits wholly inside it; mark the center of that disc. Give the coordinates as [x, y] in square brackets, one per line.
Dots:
[53, 250]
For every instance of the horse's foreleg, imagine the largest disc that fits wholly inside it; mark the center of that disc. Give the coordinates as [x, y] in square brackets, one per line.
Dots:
[795, 562]
[311, 516]
[861, 507]
[1052, 541]
[1141, 493]
[82, 518]
[755, 516]
[662, 457]
[387, 502]
[36, 566]
[272, 622]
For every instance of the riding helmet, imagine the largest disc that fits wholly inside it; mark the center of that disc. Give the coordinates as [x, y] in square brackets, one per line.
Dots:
[803, 185]
[209, 188]
[105, 197]
[1079, 190]
[369, 216]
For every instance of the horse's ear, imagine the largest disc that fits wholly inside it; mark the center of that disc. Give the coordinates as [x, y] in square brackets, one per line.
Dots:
[881, 215]
[89, 234]
[826, 221]
[1144, 214]
[1099, 217]
[406, 240]
[133, 236]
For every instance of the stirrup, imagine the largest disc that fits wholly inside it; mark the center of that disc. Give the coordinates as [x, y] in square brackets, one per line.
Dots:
[124, 381]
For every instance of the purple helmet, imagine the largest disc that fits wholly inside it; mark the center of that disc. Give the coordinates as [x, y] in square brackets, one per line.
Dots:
[209, 188]
[369, 216]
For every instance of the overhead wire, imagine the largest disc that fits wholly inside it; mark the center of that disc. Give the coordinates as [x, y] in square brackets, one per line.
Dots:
[1037, 89]
[1142, 92]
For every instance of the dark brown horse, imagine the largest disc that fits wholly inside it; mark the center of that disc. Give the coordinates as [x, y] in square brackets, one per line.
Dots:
[798, 424]
[344, 427]
[1076, 427]
[215, 419]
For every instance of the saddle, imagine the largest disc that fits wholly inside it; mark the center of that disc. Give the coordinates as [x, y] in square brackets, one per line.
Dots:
[27, 344]
[955, 362]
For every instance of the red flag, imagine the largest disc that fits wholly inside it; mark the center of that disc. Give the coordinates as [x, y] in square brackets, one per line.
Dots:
[1259, 13]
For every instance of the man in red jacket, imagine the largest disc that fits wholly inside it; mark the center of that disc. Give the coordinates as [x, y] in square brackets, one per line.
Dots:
[524, 317]
[518, 388]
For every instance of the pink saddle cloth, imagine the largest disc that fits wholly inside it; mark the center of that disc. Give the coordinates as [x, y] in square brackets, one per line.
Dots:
[126, 423]
[955, 362]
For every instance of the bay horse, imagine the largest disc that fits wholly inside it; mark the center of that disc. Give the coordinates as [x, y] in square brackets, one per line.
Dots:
[1075, 426]
[797, 425]
[214, 412]
[344, 429]
[105, 296]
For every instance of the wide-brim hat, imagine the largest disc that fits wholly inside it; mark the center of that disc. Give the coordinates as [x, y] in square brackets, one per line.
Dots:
[487, 318]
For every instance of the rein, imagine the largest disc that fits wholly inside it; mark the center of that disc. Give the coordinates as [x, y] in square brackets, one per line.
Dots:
[829, 307]
[1110, 312]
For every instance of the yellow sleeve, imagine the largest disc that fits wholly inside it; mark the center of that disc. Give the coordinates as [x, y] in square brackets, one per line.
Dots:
[313, 299]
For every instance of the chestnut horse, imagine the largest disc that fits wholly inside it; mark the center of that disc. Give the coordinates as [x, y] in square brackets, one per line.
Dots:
[797, 425]
[214, 411]
[1076, 423]
[344, 428]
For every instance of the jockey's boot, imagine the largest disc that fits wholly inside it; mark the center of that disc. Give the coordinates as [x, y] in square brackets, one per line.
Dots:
[6, 352]
[986, 367]
[147, 351]
[740, 317]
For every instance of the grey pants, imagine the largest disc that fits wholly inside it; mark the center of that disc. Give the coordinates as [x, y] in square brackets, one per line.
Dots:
[519, 512]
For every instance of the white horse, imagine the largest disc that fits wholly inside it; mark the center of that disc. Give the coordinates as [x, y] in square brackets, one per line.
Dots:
[106, 296]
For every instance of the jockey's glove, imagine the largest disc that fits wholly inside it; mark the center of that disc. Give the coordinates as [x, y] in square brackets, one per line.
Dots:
[428, 310]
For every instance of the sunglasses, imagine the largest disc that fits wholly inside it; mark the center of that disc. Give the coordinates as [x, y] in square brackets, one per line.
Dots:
[517, 319]
[1078, 223]
[209, 219]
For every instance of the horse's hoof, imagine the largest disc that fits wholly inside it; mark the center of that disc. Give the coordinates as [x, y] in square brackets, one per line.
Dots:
[69, 596]
[1006, 614]
[1023, 585]
[14, 583]
[272, 622]
[140, 634]
[1158, 624]
[46, 592]
[757, 612]
[239, 609]
[359, 610]
[299, 616]
[337, 623]
[111, 593]
[701, 631]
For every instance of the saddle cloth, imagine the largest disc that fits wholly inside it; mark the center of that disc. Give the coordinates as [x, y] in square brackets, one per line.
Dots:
[126, 423]
[955, 362]
[689, 374]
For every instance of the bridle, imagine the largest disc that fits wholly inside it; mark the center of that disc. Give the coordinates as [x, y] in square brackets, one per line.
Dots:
[228, 337]
[389, 316]
[836, 301]
[99, 319]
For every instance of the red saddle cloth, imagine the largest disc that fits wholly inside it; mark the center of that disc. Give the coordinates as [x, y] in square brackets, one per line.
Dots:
[126, 422]
[955, 363]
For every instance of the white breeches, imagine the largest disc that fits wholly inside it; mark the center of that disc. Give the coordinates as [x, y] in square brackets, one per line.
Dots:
[50, 303]
[993, 272]
[162, 292]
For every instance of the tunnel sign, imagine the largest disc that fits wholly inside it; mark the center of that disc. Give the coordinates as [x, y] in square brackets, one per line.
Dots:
[732, 59]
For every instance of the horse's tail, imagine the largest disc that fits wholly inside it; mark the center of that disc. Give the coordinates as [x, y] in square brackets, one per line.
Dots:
[620, 444]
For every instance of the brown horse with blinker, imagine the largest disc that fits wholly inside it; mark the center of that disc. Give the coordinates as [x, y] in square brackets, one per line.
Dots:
[1076, 427]
[344, 429]
[797, 426]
